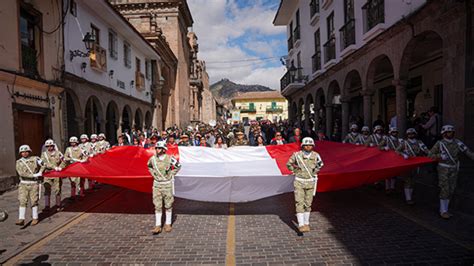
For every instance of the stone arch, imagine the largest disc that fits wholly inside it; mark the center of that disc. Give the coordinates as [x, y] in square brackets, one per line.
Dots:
[112, 122]
[352, 91]
[380, 75]
[320, 109]
[126, 118]
[333, 111]
[73, 110]
[94, 122]
[148, 119]
[138, 120]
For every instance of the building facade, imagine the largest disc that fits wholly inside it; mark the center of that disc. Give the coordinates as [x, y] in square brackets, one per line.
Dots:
[256, 106]
[371, 58]
[174, 19]
[31, 94]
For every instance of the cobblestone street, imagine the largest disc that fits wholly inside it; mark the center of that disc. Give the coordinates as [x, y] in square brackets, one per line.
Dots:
[349, 227]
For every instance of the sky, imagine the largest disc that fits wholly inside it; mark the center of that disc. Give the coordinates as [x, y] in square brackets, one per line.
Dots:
[238, 40]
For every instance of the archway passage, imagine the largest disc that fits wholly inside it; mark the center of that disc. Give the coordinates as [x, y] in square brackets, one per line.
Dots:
[138, 119]
[334, 112]
[421, 71]
[309, 112]
[380, 80]
[148, 120]
[112, 122]
[126, 118]
[320, 112]
[301, 114]
[72, 111]
[353, 93]
[93, 116]
[294, 112]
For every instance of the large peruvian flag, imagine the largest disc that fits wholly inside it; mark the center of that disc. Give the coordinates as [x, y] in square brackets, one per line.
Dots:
[240, 174]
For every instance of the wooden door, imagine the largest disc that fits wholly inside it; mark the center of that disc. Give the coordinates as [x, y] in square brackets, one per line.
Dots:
[30, 130]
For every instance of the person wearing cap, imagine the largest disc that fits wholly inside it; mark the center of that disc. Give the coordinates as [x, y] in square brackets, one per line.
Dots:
[85, 145]
[29, 169]
[184, 140]
[408, 148]
[377, 137]
[239, 140]
[390, 143]
[53, 161]
[446, 151]
[363, 136]
[102, 145]
[163, 168]
[353, 136]
[305, 165]
[72, 155]
[93, 146]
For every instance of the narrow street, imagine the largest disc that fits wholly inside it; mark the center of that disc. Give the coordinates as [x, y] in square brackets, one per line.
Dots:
[361, 226]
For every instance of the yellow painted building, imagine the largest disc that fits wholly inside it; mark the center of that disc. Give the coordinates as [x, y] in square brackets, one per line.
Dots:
[267, 105]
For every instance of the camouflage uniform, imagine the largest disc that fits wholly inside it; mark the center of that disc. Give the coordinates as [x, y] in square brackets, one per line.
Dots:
[86, 148]
[390, 143]
[362, 139]
[163, 171]
[305, 169]
[374, 140]
[52, 160]
[352, 138]
[72, 155]
[237, 142]
[447, 153]
[102, 146]
[29, 184]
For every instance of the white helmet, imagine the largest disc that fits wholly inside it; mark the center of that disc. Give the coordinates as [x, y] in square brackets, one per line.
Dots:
[447, 128]
[307, 141]
[73, 140]
[94, 136]
[24, 148]
[365, 129]
[49, 142]
[354, 126]
[377, 128]
[102, 135]
[161, 145]
[411, 131]
[84, 136]
[393, 129]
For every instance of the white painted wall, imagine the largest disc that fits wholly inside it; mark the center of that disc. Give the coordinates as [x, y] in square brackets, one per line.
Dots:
[74, 30]
[394, 12]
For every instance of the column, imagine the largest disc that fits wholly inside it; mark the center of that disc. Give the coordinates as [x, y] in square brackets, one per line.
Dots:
[345, 116]
[329, 122]
[367, 94]
[401, 99]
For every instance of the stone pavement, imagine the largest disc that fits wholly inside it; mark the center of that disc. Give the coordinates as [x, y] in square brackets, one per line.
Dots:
[360, 226]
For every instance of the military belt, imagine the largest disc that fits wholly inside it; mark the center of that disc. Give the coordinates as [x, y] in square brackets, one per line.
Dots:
[305, 179]
[28, 182]
[35, 179]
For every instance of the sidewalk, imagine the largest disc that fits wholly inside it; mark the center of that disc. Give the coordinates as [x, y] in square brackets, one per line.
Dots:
[16, 238]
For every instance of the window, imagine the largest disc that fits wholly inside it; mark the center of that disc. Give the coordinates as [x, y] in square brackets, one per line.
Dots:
[348, 10]
[314, 7]
[298, 65]
[138, 64]
[296, 33]
[316, 59]
[274, 105]
[290, 39]
[147, 69]
[127, 55]
[113, 44]
[96, 33]
[374, 13]
[330, 25]
[29, 38]
[251, 106]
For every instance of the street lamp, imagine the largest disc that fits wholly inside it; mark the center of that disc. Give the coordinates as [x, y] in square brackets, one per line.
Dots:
[293, 71]
[89, 41]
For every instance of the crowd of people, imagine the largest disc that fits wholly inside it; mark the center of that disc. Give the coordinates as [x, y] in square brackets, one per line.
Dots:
[445, 150]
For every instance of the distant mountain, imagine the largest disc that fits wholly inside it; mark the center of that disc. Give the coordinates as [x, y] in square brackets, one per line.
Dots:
[225, 90]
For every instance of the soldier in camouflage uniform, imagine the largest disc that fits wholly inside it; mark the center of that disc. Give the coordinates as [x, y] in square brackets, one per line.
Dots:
[29, 169]
[411, 147]
[447, 151]
[184, 140]
[102, 144]
[353, 136]
[305, 165]
[391, 142]
[163, 168]
[72, 155]
[53, 161]
[93, 151]
[375, 139]
[364, 136]
[239, 140]
[85, 145]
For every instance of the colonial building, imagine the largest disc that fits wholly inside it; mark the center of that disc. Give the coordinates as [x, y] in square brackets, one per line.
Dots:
[264, 105]
[31, 96]
[110, 85]
[173, 18]
[373, 57]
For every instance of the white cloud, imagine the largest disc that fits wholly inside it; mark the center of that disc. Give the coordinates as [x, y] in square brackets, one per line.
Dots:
[224, 29]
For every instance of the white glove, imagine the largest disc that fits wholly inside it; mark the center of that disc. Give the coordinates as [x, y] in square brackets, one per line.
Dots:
[83, 161]
[444, 157]
[371, 144]
[92, 155]
[387, 148]
[58, 169]
[405, 157]
[37, 175]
